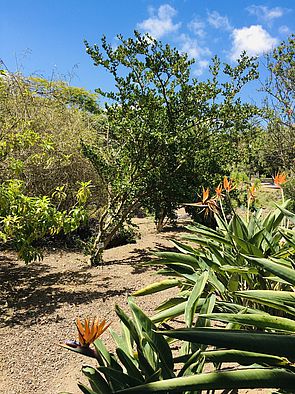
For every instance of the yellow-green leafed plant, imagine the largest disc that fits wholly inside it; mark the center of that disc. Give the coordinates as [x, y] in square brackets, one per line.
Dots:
[24, 220]
[42, 124]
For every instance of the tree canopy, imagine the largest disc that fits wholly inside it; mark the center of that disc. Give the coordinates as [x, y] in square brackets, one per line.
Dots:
[165, 132]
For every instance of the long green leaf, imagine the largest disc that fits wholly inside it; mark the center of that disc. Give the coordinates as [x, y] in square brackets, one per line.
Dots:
[157, 341]
[196, 293]
[261, 321]
[206, 308]
[264, 301]
[208, 239]
[169, 313]
[236, 308]
[156, 287]
[268, 343]
[247, 247]
[276, 268]
[238, 227]
[120, 378]
[174, 311]
[273, 220]
[243, 357]
[98, 383]
[129, 324]
[176, 267]
[244, 379]
[237, 356]
[129, 365]
[290, 215]
[122, 341]
[183, 248]
[171, 302]
[173, 257]
[190, 361]
[283, 297]
[239, 270]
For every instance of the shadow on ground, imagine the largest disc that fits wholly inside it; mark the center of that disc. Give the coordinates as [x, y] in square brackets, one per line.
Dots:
[30, 293]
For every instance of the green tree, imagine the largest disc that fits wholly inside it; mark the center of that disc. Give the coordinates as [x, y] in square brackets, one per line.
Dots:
[41, 124]
[165, 132]
[279, 107]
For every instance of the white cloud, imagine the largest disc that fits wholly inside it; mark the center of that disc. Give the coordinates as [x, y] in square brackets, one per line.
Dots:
[218, 21]
[194, 51]
[264, 13]
[161, 22]
[202, 65]
[191, 47]
[254, 40]
[284, 30]
[197, 27]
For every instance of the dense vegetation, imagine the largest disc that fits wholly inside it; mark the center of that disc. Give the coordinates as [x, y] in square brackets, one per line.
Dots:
[241, 274]
[166, 133]
[161, 136]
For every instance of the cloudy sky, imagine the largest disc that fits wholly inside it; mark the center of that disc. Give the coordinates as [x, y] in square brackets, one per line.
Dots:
[46, 37]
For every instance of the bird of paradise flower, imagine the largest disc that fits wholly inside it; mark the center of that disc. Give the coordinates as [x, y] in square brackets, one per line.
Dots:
[88, 332]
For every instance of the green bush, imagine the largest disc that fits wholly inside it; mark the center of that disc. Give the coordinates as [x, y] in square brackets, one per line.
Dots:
[25, 220]
[41, 126]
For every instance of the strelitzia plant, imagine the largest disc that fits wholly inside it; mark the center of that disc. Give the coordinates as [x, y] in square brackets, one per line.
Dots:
[88, 332]
[224, 254]
[208, 204]
[143, 361]
[280, 179]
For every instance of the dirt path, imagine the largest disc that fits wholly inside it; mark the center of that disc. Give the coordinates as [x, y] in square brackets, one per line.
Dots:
[40, 303]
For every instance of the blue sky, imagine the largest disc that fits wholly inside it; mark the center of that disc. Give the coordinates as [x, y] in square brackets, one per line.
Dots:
[45, 37]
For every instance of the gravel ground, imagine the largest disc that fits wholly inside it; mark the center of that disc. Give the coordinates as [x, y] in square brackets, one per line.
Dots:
[39, 304]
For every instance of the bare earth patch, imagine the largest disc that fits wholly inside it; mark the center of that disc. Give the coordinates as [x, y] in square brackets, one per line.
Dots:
[39, 304]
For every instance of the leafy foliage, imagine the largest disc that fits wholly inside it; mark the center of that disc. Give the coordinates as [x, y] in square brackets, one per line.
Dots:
[25, 220]
[143, 361]
[165, 132]
[238, 256]
[279, 107]
[259, 342]
[41, 125]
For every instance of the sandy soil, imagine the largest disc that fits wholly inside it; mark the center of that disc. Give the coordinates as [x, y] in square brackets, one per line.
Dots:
[39, 304]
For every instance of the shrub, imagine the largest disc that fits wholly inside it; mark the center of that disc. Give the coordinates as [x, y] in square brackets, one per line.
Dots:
[24, 220]
[42, 123]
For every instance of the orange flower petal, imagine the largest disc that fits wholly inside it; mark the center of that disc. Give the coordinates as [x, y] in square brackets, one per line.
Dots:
[206, 193]
[280, 179]
[227, 184]
[86, 327]
[218, 190]
[80, 332]
[90, 331]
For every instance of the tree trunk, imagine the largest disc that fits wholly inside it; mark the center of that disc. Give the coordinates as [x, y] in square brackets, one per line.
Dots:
[106, 233]
[161, 220]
